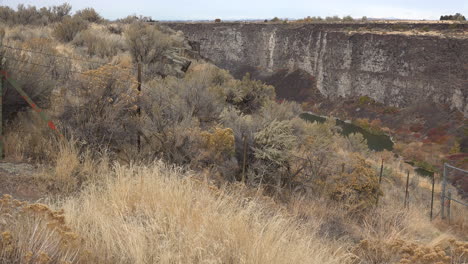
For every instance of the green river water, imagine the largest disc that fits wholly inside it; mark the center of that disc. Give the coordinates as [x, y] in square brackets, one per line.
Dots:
[374, 142]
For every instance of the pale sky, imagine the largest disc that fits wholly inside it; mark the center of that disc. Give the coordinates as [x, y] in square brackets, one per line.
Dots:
[261, 9]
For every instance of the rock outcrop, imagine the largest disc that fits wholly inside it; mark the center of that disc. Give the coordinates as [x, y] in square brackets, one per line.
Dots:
[397, 68]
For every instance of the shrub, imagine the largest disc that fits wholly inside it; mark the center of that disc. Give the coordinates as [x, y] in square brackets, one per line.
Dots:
[59, 12]
[100, 42]
[34, 233]
[274, 142]
[89, 14]
[172, 109]
[115, 29]
[280, 111]
[333, 19]
[248, 95]
[457, 17]
[365, 100]
[103, 114]
[69, 28]
[348, 19]
[29, 138]
[31, 16]
[316, 156]
[357, 188]
[357, 143]
[27, 15]
[147, 44]
[7, 15]
[219, 143]
[275, 20]
[272, 154]
[39, 90]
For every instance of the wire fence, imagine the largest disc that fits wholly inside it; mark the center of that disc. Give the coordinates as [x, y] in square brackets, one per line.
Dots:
[452, 174]
[450, 186]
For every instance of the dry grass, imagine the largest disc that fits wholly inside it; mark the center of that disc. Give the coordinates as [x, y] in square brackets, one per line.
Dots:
[161, 214]
[157, 214]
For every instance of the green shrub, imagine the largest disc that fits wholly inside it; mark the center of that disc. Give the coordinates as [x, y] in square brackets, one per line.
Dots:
[365, 100]
[275, 20]
[457, 17]
[69, 28]
[274, 142]
[272, 154]
[348, 19]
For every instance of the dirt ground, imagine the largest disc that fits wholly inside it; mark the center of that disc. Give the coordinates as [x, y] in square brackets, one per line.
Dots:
[20, 181]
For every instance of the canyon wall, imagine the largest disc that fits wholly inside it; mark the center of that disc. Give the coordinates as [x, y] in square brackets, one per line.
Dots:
[397, 68]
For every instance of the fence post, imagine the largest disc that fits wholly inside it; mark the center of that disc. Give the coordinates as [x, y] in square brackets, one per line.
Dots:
[244, 163]
[406, 205]
[381, 172]
[442, 195]
[139, 109]
[1, 118]
[432, 197]
[449, 203]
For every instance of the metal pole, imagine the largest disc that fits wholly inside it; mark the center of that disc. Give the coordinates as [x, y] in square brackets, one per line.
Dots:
[442, 195]
[432, 197]
[244, 163]
[25, 96]
[406, 205]
[138, 108]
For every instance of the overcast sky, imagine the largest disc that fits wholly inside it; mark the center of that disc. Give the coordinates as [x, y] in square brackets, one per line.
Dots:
[249, 9]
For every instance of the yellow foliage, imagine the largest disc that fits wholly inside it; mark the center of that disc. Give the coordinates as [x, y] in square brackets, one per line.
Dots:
[408, 252]
[220, 141]
[21, 222]
[358, 189]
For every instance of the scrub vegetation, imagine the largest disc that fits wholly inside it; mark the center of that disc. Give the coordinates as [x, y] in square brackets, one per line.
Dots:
[224, 173]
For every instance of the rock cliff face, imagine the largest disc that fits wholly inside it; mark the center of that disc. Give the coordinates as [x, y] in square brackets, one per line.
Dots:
[395, 68]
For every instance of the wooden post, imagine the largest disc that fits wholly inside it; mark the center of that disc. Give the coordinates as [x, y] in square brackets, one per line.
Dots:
[432, 197]
[406, 204]
[244, 163]
[442, 195]
[1, 118]
[138, 108]
[381, 172]
[449, 202]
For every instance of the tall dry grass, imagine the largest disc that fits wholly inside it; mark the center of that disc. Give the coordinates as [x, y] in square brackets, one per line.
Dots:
[157, 214]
